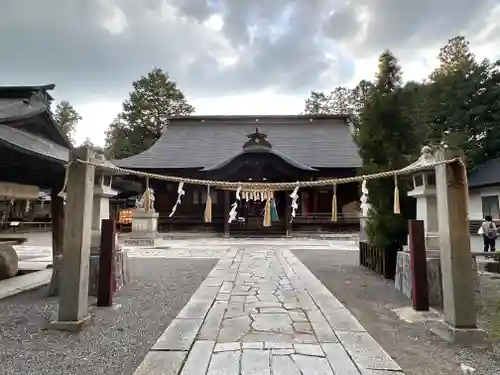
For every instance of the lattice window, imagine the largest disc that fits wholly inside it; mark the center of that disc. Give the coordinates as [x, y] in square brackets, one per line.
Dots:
[491, 206]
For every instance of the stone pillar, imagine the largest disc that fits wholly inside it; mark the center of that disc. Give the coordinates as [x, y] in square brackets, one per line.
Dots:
[73, 301]
[460, 324]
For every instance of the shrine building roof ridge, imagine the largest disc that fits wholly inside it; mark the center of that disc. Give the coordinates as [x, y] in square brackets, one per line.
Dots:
[256, 118]
[487, 174]
[203, 142]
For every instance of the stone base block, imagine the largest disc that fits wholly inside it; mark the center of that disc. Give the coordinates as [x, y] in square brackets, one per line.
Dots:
[459, 336]
[70, 326]
[120, 271]
[410, 315]
[490, 266]
[403, 279]
[143, 221]
[143, 242]
[9, 262]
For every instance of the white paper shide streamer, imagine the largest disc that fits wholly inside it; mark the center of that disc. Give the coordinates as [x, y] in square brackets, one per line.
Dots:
[234, 206]
[180, 193]
[295, 197]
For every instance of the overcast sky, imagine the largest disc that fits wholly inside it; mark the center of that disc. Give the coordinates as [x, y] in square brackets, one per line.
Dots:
[228, 56]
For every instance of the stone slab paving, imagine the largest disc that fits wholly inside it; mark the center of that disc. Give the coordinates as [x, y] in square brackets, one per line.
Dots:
[261, 311]
[201, 248]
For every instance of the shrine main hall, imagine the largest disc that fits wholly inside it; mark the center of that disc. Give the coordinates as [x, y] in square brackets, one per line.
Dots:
[253, 149]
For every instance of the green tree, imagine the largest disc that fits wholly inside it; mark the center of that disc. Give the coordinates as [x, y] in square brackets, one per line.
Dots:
[318, 103]
[337, 102]
[67, 118]
[359, 96]
[387, 140]
[454, 57]
[154, 98]
[460, 107]
[88, 143]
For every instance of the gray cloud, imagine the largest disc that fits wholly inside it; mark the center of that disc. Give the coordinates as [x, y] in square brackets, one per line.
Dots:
[277, 44]
[406, 24]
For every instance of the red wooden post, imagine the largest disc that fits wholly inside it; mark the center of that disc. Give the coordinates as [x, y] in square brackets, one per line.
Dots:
[418, 263]
[105, 287]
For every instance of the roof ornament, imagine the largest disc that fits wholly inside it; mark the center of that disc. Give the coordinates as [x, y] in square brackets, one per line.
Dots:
[40, 96]
[257, 142]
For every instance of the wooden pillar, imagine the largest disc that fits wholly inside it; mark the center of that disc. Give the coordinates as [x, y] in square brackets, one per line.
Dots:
[57, 218]
[460, 324]
[418, 264]
[227, 204]
[73, 301]
[107, 254]
[288, 215]
[307, 202]
[315, 193]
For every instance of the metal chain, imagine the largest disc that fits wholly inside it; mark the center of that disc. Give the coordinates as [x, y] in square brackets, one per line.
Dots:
[272, 185]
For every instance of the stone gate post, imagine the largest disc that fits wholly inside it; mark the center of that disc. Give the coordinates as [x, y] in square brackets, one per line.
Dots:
[460, 324]
[73, 299]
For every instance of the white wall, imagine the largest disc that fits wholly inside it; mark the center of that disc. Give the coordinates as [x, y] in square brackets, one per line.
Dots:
[475, 204]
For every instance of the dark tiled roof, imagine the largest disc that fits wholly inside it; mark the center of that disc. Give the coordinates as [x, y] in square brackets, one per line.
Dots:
[33, 143]
[25, 91]
[18, 103]
[206, 141]
[14, 108]
[486, 174]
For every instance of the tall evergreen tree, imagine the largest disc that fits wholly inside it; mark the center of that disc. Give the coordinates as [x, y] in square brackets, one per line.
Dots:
[154, 98]
[67, 118]
[461, 105]
[318, 103]
[387, 140]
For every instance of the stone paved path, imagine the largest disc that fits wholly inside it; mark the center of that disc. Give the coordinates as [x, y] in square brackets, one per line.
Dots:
[261, 311]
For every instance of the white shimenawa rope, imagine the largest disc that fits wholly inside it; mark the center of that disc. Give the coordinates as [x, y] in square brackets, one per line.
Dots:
[295, 205]
[180, 193]
[425, 162]
[420, 165]
[234, 206]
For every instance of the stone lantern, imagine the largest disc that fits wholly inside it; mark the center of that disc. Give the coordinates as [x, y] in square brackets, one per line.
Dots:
[100, 210]
[424, 191]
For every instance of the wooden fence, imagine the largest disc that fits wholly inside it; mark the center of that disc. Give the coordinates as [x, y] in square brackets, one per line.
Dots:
[379, 260]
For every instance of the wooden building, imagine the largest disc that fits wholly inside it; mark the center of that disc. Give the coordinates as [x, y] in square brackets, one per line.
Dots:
[33, 152]
[253, 148]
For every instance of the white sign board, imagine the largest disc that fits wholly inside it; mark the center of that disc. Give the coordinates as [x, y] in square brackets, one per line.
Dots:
[9, 190]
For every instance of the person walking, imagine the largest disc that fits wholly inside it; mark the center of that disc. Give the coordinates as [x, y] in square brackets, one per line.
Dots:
[489, 231]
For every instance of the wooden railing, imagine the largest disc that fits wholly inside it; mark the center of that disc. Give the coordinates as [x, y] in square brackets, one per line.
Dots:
[25, 226]
[325, 217]
[379, 260]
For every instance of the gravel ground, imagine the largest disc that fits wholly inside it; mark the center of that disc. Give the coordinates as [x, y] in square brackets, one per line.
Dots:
[120, 336]
[370, 298]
